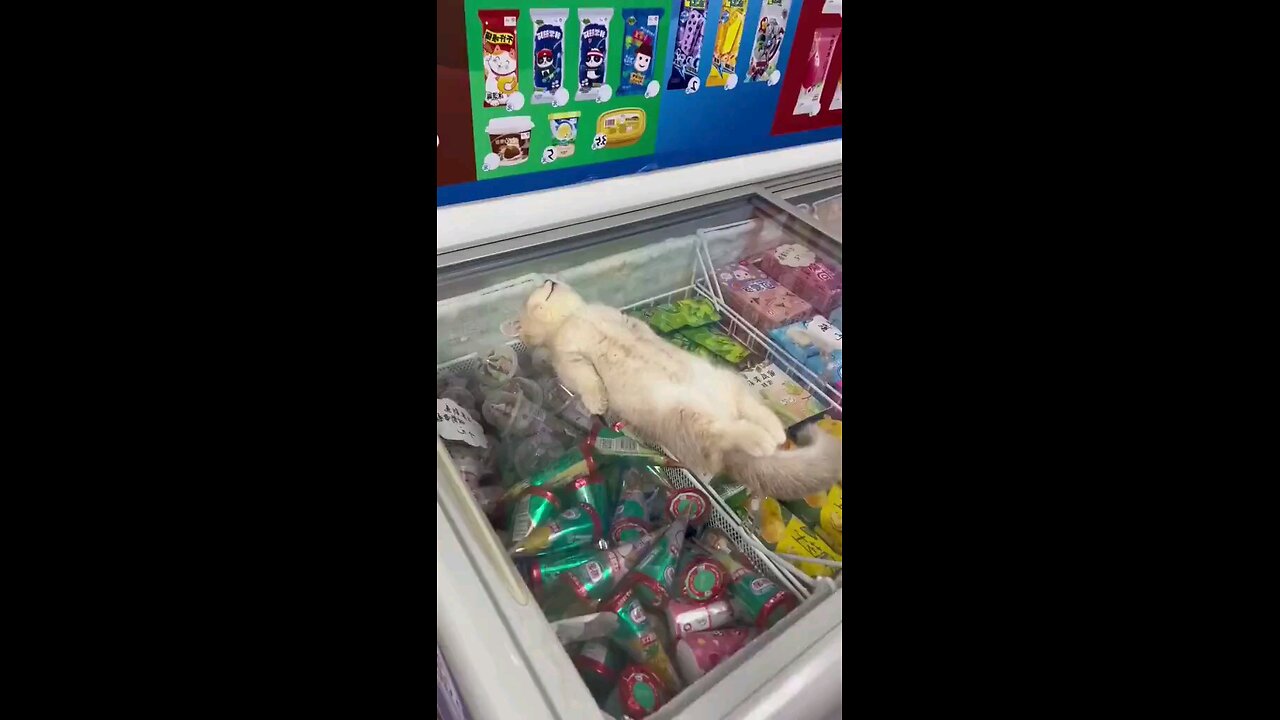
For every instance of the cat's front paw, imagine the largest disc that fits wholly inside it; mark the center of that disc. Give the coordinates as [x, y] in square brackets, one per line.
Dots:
[755, 440]
[594, 405]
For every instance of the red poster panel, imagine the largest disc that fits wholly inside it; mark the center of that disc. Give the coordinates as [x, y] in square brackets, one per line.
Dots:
[812, 88]
[455, 149]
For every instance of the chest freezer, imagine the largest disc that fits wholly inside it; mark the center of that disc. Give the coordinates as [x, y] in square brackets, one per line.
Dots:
[504, 658]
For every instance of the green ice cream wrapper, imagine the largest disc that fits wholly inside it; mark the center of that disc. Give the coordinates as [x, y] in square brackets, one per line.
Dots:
[640, 693]
[637, 636]
[631, 517]
[591, 490]
[535, 508]
[541, 572]
[756, 599]
[700, 577]
[601, 446]
[577, 526]
[656, 572]
[582, 587]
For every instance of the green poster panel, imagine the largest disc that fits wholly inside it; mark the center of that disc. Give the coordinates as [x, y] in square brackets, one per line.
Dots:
[517, 125]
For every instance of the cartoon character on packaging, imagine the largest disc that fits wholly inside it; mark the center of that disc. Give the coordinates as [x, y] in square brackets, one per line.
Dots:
[644, 56]
[545, 63]
[593, 68]
[741, 273]
[502, 72]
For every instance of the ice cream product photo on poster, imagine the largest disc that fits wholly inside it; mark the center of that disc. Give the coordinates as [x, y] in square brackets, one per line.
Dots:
[724, 62]
[593, 53]
[816, 64]
[639, 45]
[767, 45]
[498, 43]
[692, 27]
[548, 54]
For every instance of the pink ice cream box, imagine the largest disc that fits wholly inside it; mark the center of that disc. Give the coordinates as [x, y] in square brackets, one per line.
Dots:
[759, 298]
[800, 270]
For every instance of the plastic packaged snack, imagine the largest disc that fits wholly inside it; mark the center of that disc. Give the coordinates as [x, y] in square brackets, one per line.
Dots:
[593, 52]
[579, 590]
[498, 43]
[795, 341]
[717, 342]
[655, 574]
[548, 53]
[800, 270]
[690, 346]
[825, 335]
[756, 599]
[638, 637]
[759, 298]
[829, 368]
[540, 572]
[690, 312]
[693, 24]
[639, 45]
[788, 400]
[699, 653]
[837, 100]
[699, 578]
[498, 366]
[784, 532]
[576, 526]
[768, 42]
[816, 64]
[631, 516]
[686, 617]
[688, 503]
[724, 60]
[536, 507]
[823, 512]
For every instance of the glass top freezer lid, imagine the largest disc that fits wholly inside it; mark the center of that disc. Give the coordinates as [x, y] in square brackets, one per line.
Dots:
[618, 261]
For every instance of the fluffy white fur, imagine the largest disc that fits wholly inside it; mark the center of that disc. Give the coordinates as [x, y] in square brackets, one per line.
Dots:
[707, 416]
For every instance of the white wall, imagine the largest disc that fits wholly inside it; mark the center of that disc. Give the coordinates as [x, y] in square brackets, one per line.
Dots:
[469, 222]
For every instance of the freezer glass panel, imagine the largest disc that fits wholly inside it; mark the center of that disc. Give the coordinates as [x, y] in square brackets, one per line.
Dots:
[825, 206]
[737, 280]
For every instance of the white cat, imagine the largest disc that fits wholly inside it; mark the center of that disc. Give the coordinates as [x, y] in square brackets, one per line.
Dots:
[707, 416]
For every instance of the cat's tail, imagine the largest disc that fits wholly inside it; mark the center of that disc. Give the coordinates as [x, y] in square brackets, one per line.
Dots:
[791, 474]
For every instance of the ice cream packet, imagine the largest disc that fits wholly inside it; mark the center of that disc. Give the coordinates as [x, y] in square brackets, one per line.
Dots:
[498, 43]
[768, 43]
[693, 24]
[717, 342]
[548, 53]
[691, 312]
[638, 48]
[593, 52]
[724, 63]
[788, 400]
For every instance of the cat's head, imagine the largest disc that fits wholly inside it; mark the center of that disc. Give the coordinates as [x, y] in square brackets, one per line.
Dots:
[547, 307]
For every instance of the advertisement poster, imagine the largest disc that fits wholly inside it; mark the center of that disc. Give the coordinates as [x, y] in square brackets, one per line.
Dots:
[537, 95]
[812, 93]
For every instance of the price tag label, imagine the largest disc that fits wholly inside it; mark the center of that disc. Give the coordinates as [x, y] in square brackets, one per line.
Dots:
[455, 423]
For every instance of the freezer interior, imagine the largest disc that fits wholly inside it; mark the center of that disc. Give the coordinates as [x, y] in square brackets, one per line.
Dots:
[642, 261]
